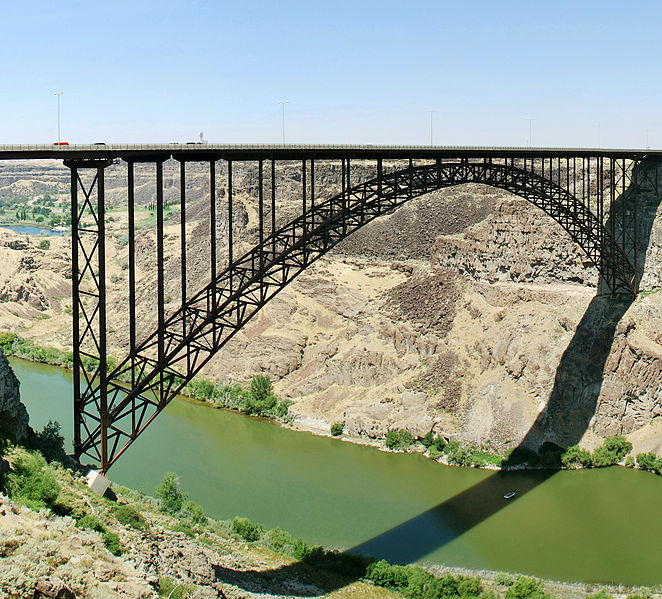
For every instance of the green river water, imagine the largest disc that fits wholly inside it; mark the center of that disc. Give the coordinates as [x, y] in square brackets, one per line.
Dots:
[594, 525]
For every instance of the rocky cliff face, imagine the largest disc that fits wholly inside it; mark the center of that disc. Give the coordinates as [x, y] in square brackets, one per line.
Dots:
[14, 421]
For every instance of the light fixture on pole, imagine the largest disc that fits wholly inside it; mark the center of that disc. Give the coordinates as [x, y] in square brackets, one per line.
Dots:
[282, 103]
[58, 94]
[526, 118]
[431, 130]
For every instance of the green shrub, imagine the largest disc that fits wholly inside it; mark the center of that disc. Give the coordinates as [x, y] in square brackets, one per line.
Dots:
[44, 244]
[91, 522]
[618, 445]
[603, 457]
[247, 530]
[469, 586]
[459, 455]
[31, 481]
[525, 587]
[169, 494]
[300, 549]
[50, 443]
[421, 584]
[522, 455]
[550, 454]
[112, 542]
[576, 457]
[649, 461]
[504, 580]
[194, 512]
[277, 539]
[603, 594]
[385, 575]
[129, 516]
[399, 439]
[337, 429]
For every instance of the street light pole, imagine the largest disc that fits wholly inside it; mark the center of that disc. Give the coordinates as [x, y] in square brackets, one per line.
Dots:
[530, 127]
[282, 103]
[431, 113]
[58, 94]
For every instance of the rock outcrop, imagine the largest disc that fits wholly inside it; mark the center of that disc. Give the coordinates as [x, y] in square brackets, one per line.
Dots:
[14, 420]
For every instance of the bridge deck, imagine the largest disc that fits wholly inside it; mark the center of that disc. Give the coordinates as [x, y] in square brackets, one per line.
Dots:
[200, 151]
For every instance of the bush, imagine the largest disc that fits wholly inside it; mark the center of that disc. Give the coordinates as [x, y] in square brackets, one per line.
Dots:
[50, 443]
[44, 244]
[399, 439]
[603, 457]
[504, 580]
[91, 522]
[618, 446]
[385, 575]
[460, 455]
[337, 429]
[649, 461]
[600, 595]
[525, 587]
[522, 455]
[194, 512]
[129, 516]
[431, 442]
[576, 457]
[169, 493]
[278, 538]
[247, 530]
[31, 481]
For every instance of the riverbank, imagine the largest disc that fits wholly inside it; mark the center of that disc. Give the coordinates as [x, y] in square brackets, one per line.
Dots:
[130, 544]
[344, 495]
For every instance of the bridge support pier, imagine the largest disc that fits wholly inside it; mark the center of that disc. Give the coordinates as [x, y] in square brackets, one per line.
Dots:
[88, 282]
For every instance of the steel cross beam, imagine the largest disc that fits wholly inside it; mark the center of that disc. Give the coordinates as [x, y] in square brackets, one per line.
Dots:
[115, 407]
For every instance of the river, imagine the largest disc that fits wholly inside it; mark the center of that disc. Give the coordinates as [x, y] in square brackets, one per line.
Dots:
[592, 525]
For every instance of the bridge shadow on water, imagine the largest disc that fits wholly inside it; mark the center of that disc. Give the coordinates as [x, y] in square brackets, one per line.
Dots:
[566, 418]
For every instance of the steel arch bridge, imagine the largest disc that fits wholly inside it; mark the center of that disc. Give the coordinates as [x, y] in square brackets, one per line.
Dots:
[592, 194]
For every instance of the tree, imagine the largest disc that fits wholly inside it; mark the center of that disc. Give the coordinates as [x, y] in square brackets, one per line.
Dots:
[168, 492]
[337, 428]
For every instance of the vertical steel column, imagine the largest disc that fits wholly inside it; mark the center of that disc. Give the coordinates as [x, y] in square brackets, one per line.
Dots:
[312, 183]
[182, 235]
[75, 311]
[230, 259]
[212, 240]
[160, 278]
[260, 210]
[212, 223]
[304, 237]
[103, 354]
[131, 199]
[273, 206]
[635, 184]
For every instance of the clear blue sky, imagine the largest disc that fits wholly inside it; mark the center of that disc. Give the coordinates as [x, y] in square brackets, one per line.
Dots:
[357, 71]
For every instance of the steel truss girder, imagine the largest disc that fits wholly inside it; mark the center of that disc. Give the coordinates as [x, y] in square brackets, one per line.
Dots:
[134, 393]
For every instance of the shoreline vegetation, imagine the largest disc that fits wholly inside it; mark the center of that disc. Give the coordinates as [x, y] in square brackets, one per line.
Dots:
[38, 479]
[258, 399]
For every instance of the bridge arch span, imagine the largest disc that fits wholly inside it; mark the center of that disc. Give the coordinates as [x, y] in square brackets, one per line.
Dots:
[165, 361]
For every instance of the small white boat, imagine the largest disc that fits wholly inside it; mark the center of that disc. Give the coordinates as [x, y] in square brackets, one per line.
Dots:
[509, 495]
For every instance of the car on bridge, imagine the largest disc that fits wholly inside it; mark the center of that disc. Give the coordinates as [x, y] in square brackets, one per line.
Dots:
[60, 143]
